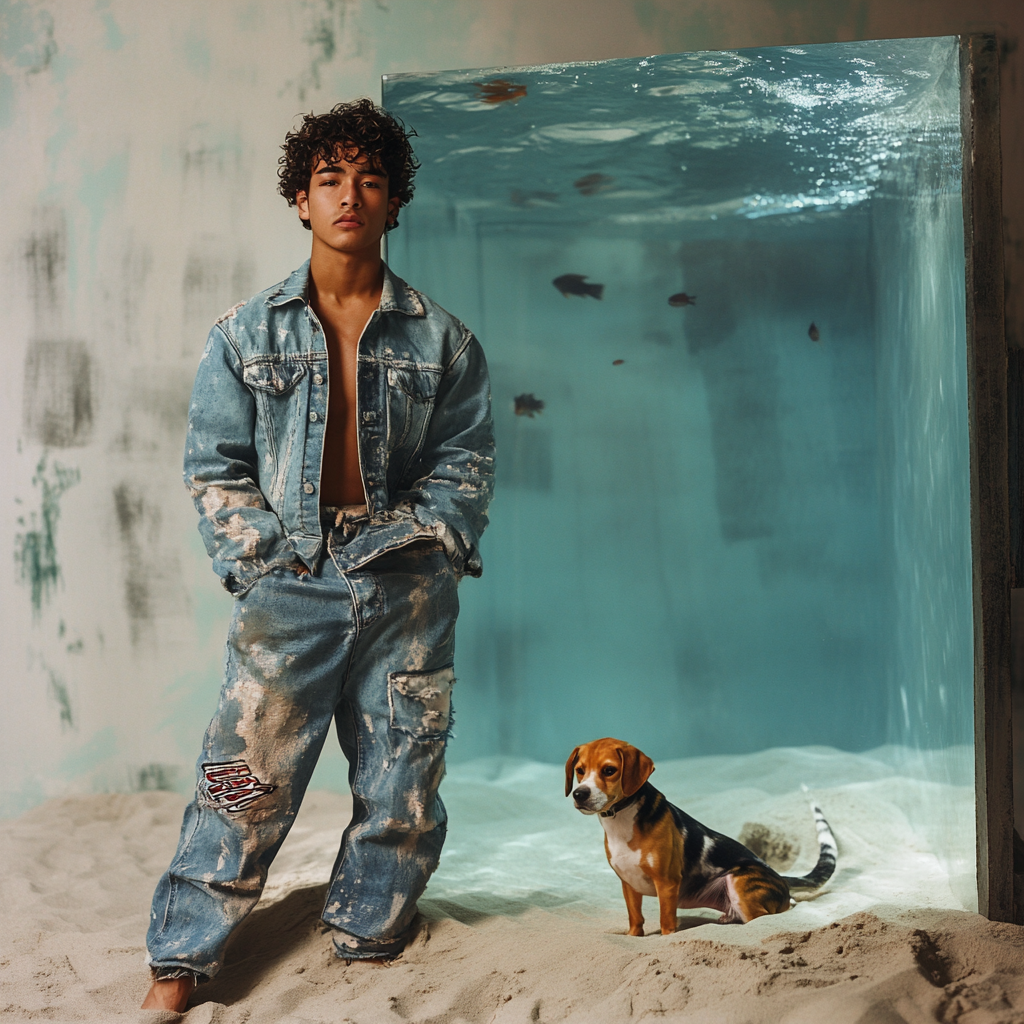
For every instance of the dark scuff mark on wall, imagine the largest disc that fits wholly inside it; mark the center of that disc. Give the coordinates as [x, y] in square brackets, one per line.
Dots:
[58, 406]
[36, 545]
[201, 277]
[242, 275]
[152, 575]
[57, 390]
[155, 416]
[46, 255]
[207, 151]
[329, 30]
[135, 269]
[212, 282]
[150, 777]
[130, 508]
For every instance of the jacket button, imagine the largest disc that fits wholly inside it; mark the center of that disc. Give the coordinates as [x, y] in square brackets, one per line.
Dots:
[308, 488]
[317, 378]
[313, 417]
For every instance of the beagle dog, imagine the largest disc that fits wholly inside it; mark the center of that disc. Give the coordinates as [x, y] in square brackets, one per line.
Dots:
[658, 850]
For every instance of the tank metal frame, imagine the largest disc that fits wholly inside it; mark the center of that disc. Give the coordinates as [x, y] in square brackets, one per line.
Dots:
[990, 473]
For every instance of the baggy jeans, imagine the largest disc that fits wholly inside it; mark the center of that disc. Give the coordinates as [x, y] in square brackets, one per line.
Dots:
[372, 649]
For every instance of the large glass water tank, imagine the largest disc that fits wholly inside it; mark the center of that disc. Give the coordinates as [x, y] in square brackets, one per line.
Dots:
[735, 374]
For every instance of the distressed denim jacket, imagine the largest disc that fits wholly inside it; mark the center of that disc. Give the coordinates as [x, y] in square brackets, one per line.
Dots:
[256, 431]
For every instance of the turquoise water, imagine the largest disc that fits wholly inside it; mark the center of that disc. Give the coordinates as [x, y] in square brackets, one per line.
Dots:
[718, 535]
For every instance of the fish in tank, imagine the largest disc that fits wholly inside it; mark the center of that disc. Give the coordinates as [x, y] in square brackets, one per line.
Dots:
[747, 554]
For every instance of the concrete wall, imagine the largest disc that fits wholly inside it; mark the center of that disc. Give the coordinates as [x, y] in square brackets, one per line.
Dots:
[138, 143]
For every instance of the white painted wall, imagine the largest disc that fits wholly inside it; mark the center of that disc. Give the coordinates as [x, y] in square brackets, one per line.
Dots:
[139, 144]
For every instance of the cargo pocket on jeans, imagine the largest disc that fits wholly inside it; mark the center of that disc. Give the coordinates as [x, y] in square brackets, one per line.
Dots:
[421, 702]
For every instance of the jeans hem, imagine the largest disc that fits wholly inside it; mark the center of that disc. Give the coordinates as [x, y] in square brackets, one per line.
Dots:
[166, 972]
[368, 949]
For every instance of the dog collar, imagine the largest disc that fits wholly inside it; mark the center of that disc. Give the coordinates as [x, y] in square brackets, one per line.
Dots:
[620, 806]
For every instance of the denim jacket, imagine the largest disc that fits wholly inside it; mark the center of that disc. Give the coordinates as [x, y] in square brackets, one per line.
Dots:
[256, 432]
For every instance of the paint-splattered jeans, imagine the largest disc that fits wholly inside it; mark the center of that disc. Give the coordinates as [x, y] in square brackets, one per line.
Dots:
[371, 650]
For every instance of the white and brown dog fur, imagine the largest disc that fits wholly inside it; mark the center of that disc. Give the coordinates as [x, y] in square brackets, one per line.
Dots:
[658, 850]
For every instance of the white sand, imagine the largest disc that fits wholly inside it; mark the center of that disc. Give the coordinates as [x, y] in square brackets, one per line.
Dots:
[524, 920]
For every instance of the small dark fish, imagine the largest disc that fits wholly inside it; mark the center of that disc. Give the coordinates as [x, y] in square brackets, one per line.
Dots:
[591, 184]
[682, 299]
[519, 198]
[528, 404]
[576, 284]
[499, 90]
[618, 362]
[813, 333]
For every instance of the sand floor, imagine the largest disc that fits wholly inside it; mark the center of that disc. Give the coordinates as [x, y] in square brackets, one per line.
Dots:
[524, 920]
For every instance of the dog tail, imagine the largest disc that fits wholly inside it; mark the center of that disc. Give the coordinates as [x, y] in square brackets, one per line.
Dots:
[826, 865]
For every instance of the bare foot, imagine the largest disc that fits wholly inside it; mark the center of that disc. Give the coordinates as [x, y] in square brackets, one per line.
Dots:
[169, 994]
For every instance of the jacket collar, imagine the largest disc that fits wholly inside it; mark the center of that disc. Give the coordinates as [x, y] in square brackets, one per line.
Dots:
[396, 295]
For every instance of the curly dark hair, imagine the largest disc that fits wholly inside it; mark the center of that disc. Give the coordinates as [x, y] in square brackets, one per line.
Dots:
[361, 126]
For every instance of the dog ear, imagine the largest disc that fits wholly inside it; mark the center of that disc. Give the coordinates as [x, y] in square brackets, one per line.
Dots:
[636, 769]
[569, 766]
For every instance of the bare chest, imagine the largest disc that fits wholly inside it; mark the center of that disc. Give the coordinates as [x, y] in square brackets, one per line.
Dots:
[343, 327]
[341, 480]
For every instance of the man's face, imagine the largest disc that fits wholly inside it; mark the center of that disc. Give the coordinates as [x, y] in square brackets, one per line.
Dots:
[347, 204]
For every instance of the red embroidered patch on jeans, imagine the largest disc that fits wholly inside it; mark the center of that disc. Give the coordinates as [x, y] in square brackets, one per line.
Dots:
[232, 786]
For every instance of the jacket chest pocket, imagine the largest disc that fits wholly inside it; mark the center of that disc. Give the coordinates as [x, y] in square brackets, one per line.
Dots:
[411, 394]
[279, 409]
[273, 377]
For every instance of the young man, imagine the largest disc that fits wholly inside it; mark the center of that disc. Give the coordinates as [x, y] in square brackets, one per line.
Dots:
[340, 453]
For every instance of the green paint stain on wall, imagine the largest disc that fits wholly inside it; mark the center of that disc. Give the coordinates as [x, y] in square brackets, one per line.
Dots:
[36, 545]
[58, 690]
[99, 189]
[100, 747]
[249, 17]
[7, 98]
[115, 37]
[197, 54]
[57, 143]
[27, 36]
[326, 25]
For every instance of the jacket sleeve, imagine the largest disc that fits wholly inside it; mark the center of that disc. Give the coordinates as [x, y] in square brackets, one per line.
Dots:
[243, 536]
[454, 474]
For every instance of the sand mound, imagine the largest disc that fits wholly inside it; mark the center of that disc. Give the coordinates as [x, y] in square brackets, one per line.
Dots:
[522, 922]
